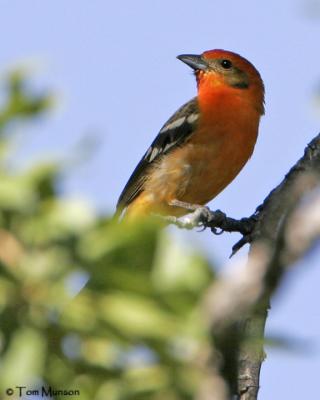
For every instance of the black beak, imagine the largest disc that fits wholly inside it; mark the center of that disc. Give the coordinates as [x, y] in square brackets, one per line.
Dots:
[194, 61]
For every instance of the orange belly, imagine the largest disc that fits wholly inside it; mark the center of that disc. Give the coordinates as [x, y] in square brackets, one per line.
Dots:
[194, 173]
[214, 155]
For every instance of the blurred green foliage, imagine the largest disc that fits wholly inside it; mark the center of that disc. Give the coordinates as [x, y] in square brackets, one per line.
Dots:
[89, 304]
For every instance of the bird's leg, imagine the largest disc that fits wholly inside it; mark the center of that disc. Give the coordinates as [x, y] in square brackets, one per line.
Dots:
[184, 204]
[199, 215]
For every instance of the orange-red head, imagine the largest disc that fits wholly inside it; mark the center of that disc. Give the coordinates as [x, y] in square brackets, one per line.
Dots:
[221, 70]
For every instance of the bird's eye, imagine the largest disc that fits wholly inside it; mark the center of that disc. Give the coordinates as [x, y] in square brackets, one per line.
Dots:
[226, 64]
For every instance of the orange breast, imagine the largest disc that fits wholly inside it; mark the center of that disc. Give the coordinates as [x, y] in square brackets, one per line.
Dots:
[207, 163]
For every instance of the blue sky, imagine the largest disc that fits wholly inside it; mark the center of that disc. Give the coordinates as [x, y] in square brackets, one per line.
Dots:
[113, 67]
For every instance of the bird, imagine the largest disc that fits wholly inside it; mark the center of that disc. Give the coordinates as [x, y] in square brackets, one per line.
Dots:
[203, 146]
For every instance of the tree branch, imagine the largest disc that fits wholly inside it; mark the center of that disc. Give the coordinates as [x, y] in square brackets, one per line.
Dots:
[283, 230]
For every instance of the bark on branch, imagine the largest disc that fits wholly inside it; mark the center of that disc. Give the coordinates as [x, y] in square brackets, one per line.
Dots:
[281, 231]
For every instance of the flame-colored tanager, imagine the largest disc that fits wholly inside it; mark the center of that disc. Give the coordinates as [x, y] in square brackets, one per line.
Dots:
[205, 144]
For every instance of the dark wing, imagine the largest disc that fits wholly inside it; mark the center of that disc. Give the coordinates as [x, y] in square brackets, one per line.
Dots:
[174, 132]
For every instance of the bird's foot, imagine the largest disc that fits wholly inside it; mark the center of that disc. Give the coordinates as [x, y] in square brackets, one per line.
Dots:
[197, 218]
